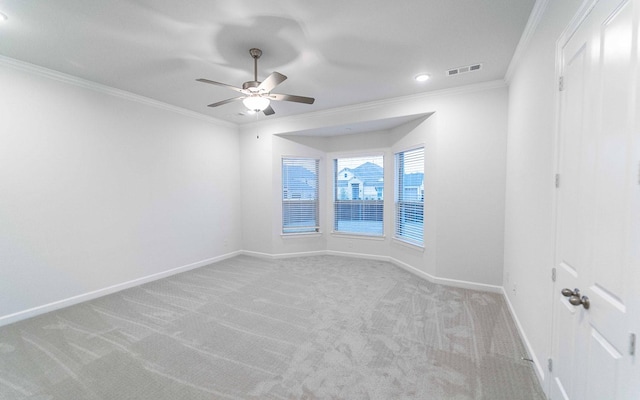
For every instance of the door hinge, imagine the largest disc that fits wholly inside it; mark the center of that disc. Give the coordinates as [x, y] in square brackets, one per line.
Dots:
[632, 344]
[550, 365]
[557, 180]
[553, 274]
[561, 83]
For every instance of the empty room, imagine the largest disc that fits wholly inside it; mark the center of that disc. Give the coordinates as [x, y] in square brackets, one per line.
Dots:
[320, 200]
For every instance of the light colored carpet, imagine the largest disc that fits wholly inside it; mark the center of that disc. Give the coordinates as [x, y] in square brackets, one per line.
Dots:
[321, 327]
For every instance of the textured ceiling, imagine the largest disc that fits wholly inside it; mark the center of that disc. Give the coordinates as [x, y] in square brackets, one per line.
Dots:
[340, 52]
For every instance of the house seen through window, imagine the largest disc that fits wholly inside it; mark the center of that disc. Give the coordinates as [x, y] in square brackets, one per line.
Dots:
[300, 195]
[358, 195]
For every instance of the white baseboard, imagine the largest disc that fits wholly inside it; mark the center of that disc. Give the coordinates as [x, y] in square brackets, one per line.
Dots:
[409, 268]
[442, 281]
[282, 255]
[483, 287]
[357, 255]
[56, 305]
[257, 254]
[538, 368]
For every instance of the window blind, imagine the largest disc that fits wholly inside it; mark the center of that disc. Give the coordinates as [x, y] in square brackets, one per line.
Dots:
[409, 207]
[358, 195]
[300, 195]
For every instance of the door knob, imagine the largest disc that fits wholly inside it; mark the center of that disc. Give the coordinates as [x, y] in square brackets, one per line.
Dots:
[576, 301]
[568, 292]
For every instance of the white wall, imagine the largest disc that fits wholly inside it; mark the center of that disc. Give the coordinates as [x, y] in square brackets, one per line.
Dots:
[465, 142]
[471, 151]
[530, 186]
[257, 191]
[100, 190]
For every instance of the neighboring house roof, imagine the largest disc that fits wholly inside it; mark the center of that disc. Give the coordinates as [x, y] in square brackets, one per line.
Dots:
[344, 171]
[295, 178]
[414, 179]
[370, 174]
[296, 172]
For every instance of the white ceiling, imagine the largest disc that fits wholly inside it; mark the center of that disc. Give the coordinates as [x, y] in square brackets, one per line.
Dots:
[340, 52]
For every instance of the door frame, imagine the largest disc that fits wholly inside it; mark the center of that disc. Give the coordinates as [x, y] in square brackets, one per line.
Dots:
[582, 13]
[567, 33]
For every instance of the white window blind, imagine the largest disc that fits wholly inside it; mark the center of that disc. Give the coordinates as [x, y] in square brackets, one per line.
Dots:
[300, 195]
[409, 224]
[358, 195]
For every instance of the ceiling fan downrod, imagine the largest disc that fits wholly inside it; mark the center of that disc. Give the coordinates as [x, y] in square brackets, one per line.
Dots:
[255, 53]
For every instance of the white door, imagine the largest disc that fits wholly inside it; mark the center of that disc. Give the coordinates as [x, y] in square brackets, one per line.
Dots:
[597, 208]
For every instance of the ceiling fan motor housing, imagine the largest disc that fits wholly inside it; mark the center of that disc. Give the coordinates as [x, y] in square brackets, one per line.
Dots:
[250, 84]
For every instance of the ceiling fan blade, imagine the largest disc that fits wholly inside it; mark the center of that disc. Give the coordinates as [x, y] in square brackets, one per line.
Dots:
[271, 82]
[290, 97]
[226, 101]
[237, 89]
[268, 111]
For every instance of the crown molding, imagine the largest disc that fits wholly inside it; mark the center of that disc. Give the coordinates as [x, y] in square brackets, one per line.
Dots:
[108, 90]
[535, 17]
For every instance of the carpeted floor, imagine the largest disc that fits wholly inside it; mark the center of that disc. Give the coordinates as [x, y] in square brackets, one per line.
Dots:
[320, 327]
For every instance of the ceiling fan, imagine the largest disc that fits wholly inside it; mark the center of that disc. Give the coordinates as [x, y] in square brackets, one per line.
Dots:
[256, 95]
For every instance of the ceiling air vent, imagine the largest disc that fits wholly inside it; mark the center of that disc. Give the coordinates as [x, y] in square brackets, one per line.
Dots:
[464, 70]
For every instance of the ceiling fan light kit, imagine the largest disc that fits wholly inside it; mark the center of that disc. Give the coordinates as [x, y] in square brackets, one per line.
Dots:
[256, 103]
[257, 95]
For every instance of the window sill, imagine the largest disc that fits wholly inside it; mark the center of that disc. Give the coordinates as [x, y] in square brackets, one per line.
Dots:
[300, 235]
[357, 236]
[408, 244]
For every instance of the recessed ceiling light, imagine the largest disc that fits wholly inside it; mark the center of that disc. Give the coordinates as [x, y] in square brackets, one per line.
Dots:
[3, 17]
[422, 77]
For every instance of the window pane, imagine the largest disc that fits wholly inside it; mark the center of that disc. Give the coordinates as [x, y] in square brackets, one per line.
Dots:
[409, 224]
[300, 195]
[359, 195]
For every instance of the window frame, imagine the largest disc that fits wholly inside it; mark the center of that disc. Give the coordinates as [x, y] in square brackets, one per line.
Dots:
[402, 232]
